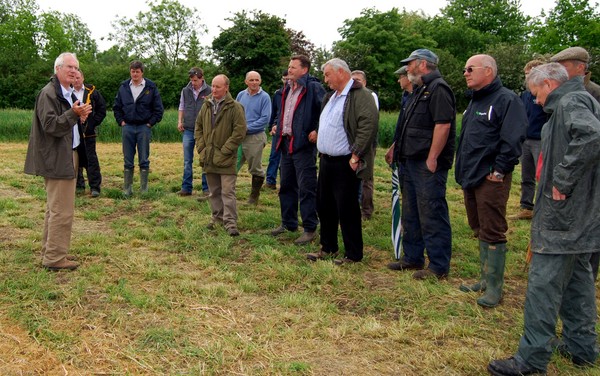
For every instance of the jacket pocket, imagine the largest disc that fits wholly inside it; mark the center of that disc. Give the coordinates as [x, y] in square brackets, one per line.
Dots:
[202, 157]
[558, 215]
[221, 159]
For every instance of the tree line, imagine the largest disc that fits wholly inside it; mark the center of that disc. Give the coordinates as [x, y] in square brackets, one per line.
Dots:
[166, 39]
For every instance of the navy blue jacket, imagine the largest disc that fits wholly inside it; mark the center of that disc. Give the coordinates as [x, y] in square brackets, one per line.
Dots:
[535, 115]
[147, 109]
[306, 113]
[493, 129]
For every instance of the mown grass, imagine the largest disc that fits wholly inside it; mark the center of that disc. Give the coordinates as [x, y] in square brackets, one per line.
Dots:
[158, 293]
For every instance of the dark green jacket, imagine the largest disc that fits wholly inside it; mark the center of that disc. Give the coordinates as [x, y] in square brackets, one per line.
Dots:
[571, 163]
[217, 144]
[361, 123]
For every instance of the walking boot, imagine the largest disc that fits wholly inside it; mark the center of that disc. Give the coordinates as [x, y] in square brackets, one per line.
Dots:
[257, 182]
[144, 181]
[479, 285]
[128, 185]
[494, 276]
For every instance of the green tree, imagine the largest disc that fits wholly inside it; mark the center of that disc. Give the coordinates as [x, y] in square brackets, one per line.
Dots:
[163, 35]
[60, 32]
[499, 20]
[375, 42]
[569, 23]
[256, 41]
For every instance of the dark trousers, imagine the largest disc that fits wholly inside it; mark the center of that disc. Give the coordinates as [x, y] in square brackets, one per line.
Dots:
[425, 216]
[337, 190]
[529, 159]
[93, 166]
[486, 209]
[299, 185]
[559, 285]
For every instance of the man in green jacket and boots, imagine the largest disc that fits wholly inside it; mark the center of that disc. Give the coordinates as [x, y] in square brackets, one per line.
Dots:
[565, 230]
[220, 130]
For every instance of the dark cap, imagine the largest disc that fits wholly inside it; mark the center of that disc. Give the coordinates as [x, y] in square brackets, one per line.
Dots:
[572, 53]
[422, 54]
[401, 71]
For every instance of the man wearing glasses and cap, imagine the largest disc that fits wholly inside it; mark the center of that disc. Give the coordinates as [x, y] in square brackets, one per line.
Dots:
[190, 103]
[425, 149]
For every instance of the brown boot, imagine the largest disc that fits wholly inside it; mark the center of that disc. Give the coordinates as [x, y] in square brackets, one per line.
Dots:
[63, 264]
[523, 214]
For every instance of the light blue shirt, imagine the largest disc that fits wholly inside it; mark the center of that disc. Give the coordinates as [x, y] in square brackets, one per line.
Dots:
[332, 139]
[136, 90]
[67, 94]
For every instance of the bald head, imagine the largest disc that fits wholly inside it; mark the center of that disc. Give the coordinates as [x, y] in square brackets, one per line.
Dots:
[253, 82]
[480, 71]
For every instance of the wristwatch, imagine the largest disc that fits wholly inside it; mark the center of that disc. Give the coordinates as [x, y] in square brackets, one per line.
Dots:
[498, 175]
[353, 161]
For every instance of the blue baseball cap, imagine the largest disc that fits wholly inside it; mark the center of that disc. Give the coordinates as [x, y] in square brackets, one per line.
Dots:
[422, 54]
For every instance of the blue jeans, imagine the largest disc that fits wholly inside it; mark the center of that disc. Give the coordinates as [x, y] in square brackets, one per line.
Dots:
[136, 136]
[187, 183]
[273, 167]
[425, 217]
[299, 183]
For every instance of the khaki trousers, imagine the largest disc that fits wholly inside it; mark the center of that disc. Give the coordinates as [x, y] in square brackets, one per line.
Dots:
[58, 222]
[222, 199]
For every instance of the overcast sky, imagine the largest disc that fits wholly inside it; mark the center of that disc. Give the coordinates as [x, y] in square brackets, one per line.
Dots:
[318, 19]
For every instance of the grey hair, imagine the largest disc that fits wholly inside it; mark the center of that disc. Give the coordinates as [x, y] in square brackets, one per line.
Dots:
[551, 71]
[60, 60]
[337, 63]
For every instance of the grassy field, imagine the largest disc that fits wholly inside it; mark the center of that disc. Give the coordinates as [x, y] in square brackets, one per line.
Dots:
[15, 125]
[157, 293]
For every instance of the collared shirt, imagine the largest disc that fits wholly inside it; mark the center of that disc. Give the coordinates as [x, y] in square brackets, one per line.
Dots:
[136, 90]
[67, 94]
[290, 105]
[79, 94]
[332, 138]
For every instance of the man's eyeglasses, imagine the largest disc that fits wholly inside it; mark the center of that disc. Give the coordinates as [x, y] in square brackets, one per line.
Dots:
[194, 72]
[470, 69]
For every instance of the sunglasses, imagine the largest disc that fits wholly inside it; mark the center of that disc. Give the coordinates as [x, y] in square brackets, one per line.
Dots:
[470, 69]
[194, 72]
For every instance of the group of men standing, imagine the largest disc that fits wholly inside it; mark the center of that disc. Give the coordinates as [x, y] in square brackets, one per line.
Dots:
[340, 128]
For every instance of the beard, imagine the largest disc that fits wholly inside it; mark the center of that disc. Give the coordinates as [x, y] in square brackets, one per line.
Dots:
[414, 79]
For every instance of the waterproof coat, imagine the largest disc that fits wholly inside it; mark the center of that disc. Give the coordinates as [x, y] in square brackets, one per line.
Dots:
[217, 144]
[493, 130]
[50, 149]
[571, 163]
[361, 123]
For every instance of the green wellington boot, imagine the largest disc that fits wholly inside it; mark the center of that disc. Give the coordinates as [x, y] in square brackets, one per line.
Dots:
[144, 181]
[479, 285]
[494, 276]
[128, 184]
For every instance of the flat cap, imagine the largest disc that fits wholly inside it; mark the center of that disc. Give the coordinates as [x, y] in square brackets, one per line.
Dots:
[401, 71]
[572, 53]
[423, 54]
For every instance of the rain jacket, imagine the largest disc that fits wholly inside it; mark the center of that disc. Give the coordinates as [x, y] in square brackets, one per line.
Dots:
[571, 163]
[493, 129]
[217, 144]
[50, 150]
